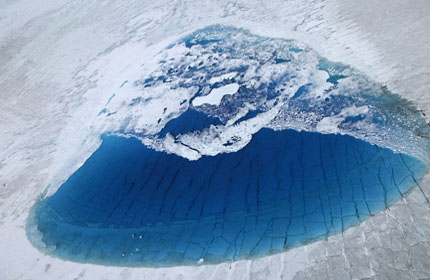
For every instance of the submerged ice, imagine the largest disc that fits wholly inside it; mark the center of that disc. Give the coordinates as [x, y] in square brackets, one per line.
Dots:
[235, 146]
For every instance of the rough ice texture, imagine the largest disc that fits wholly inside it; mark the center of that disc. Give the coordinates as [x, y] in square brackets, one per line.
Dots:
[59, 64]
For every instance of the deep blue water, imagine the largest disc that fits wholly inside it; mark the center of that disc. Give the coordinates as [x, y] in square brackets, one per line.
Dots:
[130, 205]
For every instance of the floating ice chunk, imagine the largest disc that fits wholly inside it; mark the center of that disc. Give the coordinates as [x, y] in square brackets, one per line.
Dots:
[216, 139]
[331, 124]
[170, 145]
[221, 78]
[215, 96]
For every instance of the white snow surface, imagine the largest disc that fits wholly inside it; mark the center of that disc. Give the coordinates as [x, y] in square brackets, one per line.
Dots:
[216, 95]
[62, 61]
[221, 78]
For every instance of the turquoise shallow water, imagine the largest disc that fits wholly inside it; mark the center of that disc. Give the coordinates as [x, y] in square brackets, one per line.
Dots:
[130, 205]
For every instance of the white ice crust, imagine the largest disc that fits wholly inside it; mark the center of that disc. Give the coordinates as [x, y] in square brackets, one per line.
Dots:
[143, 108]
[331, 124]
[223, 77]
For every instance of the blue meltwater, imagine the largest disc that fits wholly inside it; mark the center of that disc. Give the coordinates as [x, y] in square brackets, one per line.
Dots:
[260, 145]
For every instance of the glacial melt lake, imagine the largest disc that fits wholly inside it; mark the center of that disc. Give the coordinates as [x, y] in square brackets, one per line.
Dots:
[252, 146]
[130, 205]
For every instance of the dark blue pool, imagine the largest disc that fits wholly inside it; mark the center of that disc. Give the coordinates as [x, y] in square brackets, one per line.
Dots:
[130, 205]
